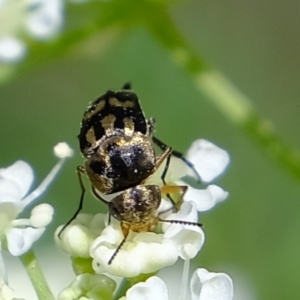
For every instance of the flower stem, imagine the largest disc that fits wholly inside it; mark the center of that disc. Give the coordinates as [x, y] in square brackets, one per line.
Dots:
[226, 97]
[124, 286]
[184, 280]
[36, 276]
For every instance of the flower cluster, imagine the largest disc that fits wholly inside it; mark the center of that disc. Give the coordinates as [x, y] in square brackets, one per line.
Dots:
[18, 235]
[40, 19]
[94, 239]
[204, 285]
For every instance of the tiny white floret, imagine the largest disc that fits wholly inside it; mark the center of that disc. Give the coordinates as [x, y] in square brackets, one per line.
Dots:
[89, 287]
[41, 215]
[77, 237]
[152, 288]
[207, 285]
[11, 49]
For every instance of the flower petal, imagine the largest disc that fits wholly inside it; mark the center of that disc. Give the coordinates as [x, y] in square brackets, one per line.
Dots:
[208, 159]
[153, 288]
[15, 181]
[211, 286]
[205, 199]
[177, 169]
[20, 240]
[188, 239]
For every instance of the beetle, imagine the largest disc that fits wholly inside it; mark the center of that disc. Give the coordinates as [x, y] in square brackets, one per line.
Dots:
[117, 142]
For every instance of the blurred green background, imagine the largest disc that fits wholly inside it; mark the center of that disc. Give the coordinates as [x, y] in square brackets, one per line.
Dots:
[254, 235]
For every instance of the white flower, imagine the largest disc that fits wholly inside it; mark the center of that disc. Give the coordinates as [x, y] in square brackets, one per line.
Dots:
[211, 286]
[205, 199]
[18, 235]
[188, 239]
[45, 18]
[77, 238]
[152, 288]
[89, 287]
[204, 286]
[6, 293]
[209, 161]
[144, 252]
[42, 19]
[148, 252]
[11, 49]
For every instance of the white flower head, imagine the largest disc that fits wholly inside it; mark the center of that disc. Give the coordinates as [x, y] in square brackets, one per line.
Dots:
[147, 252]
[89, 287]
[15, 183]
